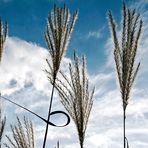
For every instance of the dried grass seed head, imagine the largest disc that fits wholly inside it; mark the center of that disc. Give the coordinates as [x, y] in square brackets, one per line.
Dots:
[125, 54]
[57, 35]
[23, 135]
[75, 94]
[3, 35]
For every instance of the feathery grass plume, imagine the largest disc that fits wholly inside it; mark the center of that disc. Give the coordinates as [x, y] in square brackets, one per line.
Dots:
[75, 95]
[125, 54]
[57, 35]
[3, 35]
[23, 135]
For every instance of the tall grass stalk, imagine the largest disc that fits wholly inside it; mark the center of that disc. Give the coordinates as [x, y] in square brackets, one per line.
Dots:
[125, 55]
[57, 35]
[3, 35]
[75, 95]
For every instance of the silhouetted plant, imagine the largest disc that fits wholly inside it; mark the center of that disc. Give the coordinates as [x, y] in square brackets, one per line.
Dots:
[23, 135]
[57, 35]
[75, 95]
[125, 54]
[3, 35]
[74, 90]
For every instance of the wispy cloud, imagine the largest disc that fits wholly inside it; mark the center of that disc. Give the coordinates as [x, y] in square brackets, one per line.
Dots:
[23, 80]
[94, 34]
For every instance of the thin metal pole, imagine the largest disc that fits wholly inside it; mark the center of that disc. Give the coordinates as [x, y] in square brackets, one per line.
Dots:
[49, 111]
[124, 136]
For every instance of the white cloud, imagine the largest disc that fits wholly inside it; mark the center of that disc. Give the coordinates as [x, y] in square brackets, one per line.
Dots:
[94, 34]
[22, 79]
[22, 64]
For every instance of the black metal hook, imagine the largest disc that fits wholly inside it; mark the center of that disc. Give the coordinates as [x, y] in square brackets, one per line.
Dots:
[52, 113]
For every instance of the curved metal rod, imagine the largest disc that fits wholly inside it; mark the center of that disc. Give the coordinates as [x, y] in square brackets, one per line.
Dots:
[52, 113]
[60, 112]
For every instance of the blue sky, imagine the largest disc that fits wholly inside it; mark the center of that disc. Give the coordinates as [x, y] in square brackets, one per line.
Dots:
[27, 20]
[23, 80]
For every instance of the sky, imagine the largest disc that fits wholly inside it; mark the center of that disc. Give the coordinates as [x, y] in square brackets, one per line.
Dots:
[23, 80]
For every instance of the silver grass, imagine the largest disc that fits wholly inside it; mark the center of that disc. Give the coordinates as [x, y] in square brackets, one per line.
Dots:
[3, 35]
[125, 53]
[75, 95]
[57, 35]
[23, 135]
